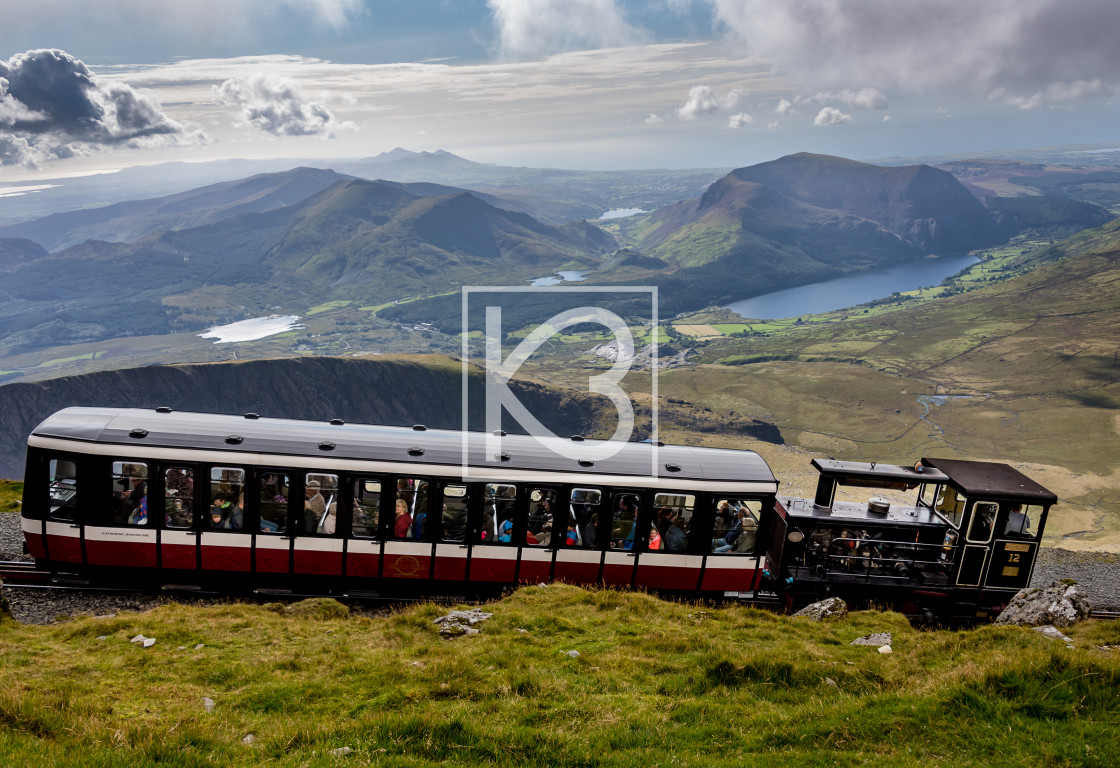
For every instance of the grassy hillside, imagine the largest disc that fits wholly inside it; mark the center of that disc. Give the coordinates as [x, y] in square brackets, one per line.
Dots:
[650, 683]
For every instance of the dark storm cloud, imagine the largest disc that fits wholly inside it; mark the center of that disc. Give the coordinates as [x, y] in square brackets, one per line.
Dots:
[52, 106]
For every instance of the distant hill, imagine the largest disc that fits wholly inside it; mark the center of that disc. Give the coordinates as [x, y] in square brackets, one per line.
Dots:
[16, 252]
[373, 241]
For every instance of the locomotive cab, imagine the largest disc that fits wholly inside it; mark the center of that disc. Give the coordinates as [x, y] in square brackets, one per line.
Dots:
[959, 547]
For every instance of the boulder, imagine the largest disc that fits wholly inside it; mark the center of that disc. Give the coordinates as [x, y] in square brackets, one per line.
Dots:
[829, 608]
[459, 623]
[879, 640]
[1062, 604]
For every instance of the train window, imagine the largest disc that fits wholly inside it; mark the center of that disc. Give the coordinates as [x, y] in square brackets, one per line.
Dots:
[542, 502]
[130, 493]
[276, 489]
[411, 509]
[950, 505]
[742, 534]
[63, 489]
[498, 509]
[367, 507]
[227, 499]
[983, 520]
[624, 521]
[929, 494]
[178, 484]
[1022, 521]
[453, 519]
[320, 503]
[583, 518]
[672, 521]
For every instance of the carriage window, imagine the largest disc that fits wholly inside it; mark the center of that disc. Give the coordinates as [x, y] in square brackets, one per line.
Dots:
[624, 521]
[740, 535]
[950, 505]
[63, 489]
[320, 503]
[275, 492]
[227, 499]
[983, 519]
[542, 502]
[498, 508]
[1022, 521]
[411, 509]
[672, 521]
[367, 507]
[453, 517]
[130, 493]
[583, 518]
[178, 505]
[928, 494]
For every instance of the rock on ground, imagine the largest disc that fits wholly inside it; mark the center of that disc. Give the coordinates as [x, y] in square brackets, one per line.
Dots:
[1061, 605]
[830, 608]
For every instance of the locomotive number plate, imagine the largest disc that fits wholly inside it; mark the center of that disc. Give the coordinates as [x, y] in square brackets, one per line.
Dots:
[1011, 570]
[1017, 547]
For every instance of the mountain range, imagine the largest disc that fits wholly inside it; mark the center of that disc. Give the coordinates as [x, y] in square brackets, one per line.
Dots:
[295, 239]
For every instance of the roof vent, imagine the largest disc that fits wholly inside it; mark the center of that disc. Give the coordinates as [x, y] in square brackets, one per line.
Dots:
[577, 438]
[415, 451]
[586, 463]
[499, 433]
[419, 428]
[672, 467]
[337, 422]
[138, 432]
[234, 439]
[252, 415]
[326, 445]
[504, 457]
[163, 409]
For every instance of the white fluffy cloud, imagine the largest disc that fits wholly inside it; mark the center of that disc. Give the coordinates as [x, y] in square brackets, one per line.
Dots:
[536, 28]
[52, 106]
[862, 98]
[276, 105]
[740, 120]
[702, 100]
[831, 116]
[1022, 46]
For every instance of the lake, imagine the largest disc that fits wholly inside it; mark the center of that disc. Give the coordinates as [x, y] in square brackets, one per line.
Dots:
[621, 213]
[567, 276]
[251, 330]
[849, 291]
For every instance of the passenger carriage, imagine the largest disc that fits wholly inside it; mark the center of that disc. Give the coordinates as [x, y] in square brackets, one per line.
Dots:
[155, 497]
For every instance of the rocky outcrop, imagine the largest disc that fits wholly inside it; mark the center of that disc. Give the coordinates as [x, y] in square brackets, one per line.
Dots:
[829, 608]
[1061, 604]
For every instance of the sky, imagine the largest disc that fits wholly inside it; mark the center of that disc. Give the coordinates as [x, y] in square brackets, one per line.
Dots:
[587, 84]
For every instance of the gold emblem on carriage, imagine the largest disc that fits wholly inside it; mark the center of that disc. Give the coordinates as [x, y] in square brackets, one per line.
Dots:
[406, 565]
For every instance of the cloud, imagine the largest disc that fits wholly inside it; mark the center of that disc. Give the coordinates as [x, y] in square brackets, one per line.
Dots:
[863, 98]
[537, 28]
[831, 116]
[1023, 46]
[785, 106]
[1056, 94]
[276, 105]
[740, 120]
[52, 106]
[703, 100]
[654, 119]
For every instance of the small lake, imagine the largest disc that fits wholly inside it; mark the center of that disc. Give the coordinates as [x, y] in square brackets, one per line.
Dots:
[621, 213]
[567, 276]
[849, 291]
[251, 330]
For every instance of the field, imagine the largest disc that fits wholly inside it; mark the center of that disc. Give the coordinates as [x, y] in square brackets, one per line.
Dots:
[559, 676]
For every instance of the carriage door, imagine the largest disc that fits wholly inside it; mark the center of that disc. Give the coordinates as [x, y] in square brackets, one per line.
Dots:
[451, 538]
[319, 540]
[272, 539]
[626, 538]
[225, 542]
[974, 554]
[63, 524]
[178, 542]
[543, 532]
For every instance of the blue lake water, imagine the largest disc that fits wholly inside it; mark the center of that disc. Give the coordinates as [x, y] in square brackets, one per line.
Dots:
[621, 213]
[251, 330]
[849, 291]
[567, 276]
